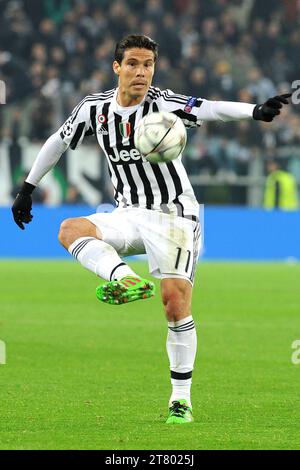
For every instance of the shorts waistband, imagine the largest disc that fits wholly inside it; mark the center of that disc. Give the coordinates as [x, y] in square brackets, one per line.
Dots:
[194, 218]
[164, 209]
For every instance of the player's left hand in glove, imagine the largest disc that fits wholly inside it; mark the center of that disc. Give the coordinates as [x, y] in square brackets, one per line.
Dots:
[271, 108]
[22, 206]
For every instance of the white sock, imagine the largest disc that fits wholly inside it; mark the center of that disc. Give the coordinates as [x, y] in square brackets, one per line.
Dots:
[181, 348]
[100, 258]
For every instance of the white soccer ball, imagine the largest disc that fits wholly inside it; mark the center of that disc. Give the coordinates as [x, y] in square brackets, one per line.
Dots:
[160, 137]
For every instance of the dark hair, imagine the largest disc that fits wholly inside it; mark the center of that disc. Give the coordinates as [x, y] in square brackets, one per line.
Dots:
[135, 40]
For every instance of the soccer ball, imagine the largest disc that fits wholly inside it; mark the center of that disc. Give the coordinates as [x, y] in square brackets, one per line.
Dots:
[160, 137]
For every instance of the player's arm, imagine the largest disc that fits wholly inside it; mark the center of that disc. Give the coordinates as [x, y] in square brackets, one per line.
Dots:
[46, 159]
[193, 111]
[233, 111]
[70, 134]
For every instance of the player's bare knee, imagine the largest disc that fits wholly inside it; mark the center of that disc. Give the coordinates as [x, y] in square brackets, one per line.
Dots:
[74, 228]
[176, 304]
[176, 298]
[65, 232]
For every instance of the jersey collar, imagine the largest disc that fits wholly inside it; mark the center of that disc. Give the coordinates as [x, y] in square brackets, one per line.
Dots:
[119, 109]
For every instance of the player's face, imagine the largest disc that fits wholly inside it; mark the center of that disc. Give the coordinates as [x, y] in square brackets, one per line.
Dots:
[135, 73]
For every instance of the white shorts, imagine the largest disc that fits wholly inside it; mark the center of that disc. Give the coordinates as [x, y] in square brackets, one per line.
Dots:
[171, 243]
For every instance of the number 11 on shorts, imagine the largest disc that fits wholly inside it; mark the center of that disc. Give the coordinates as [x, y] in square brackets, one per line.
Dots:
[179, 252]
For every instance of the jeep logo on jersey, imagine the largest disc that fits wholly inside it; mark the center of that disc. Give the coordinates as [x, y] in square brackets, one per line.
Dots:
[124, 156]
[125, 129]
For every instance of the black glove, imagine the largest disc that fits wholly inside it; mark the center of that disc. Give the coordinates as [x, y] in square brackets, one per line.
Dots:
[268, 110]
[22, 206]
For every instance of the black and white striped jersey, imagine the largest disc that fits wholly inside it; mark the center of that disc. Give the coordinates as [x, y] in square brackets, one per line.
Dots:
[137, 182]
[163, 186]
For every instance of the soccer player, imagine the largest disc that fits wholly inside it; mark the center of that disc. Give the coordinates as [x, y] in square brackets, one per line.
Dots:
[157, 212]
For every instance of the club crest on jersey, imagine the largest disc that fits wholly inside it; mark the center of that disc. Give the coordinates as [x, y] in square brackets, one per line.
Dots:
[125, 129]
[190, 103]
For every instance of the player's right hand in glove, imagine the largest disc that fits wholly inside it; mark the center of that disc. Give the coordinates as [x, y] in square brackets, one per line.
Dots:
[271, 108]
[21, 208]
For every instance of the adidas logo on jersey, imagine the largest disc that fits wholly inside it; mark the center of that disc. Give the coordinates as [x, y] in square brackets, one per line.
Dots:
[102, 131]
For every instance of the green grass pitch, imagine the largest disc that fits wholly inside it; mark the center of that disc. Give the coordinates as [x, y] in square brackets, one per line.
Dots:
[83, 375]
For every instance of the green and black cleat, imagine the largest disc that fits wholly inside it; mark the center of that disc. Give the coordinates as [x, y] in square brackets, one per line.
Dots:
[180, 413]
[125, 290]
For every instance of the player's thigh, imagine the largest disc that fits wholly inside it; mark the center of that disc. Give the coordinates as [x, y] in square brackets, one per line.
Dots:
[115, 229]
[172, 244]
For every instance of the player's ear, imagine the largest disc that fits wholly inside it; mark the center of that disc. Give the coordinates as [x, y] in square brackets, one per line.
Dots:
[116, 67]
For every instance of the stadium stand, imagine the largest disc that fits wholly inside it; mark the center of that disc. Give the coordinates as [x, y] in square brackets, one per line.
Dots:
[54, 52]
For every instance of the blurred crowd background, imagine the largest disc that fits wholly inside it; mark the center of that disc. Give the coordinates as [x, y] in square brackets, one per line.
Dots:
[54, 52]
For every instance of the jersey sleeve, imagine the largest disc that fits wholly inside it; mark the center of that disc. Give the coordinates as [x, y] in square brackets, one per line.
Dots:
[194, 111]
[186, 107]
[78, 125]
